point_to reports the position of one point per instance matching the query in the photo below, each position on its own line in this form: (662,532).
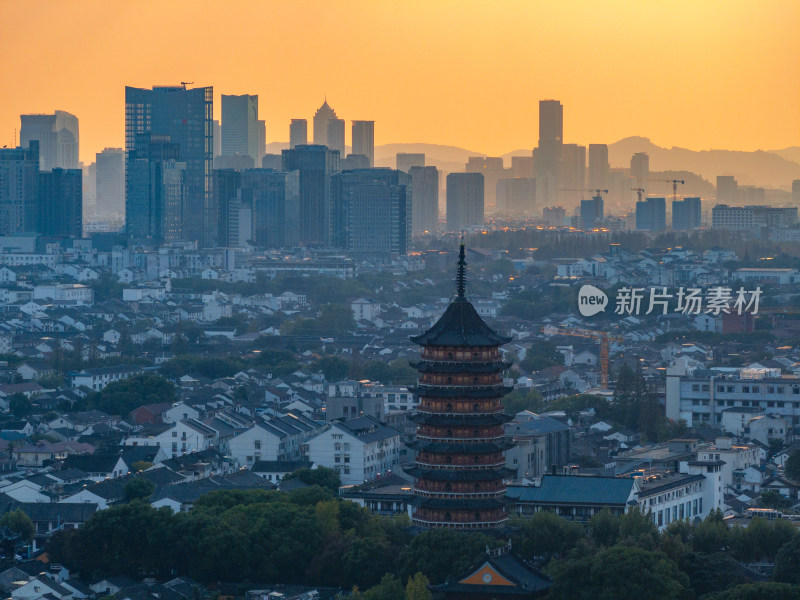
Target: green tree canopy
(20,523)
(121,397)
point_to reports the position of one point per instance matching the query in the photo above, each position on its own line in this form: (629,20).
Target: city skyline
(685,78)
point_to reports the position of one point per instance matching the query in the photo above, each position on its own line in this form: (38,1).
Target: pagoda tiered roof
(466,447)
(430,390)
(445,366)
(459,503)
(424,418)
(452,475)
(460,325)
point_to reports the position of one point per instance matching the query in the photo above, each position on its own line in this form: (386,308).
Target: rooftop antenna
(461,277)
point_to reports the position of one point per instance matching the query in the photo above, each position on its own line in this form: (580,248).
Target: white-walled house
(359,449)
(179,412)
(185,436)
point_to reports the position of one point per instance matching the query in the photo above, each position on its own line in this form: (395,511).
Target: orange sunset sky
(698,74)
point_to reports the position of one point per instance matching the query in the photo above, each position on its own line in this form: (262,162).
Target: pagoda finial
(461,277)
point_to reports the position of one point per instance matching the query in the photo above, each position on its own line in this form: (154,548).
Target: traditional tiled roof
(569,489)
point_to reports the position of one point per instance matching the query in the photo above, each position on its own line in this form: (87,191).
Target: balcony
(457,525)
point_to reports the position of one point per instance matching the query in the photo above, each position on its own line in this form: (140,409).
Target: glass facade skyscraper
(183,119)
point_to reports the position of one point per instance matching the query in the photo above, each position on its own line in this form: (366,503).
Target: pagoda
(459,472)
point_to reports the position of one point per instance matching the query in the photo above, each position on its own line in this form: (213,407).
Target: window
(258,444)
(720,388)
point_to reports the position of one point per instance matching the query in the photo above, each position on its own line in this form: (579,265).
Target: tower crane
(602,336)
(596,191)
(639,192)
(674,183)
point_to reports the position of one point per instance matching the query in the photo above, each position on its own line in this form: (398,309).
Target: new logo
(591,300)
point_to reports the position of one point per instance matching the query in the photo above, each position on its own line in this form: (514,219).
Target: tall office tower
(727,189)
(336,135)
(425,196)
(796,191)
(686,214)
(364,140)
(240,162)
(316,164)
(592,212)
(371,212)
(273,199)
(217,135)
(156,190)
(272,161)
(89,185)
(227,183)
(651,215)
(459,473)
(405,160)
(465,201)
(298,133)
(322,118)
(522,166)
(492,169)
(110,184)
(598,166)
(353,162)
(640,170)
(184,118)
(261,127)
(61,203)
(58,137)
(573,174)
(240,125)
(554,216)
(547,155)
(515,196)
(19,189)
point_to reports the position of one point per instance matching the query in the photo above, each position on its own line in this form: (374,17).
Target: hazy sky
(697,73)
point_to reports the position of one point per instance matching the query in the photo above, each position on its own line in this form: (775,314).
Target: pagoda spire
(461,276)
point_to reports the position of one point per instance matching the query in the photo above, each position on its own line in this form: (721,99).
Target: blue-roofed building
(574,497)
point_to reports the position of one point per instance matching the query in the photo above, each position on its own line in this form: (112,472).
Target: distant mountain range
(772,169)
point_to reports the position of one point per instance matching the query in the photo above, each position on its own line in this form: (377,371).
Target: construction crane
(596,191)
(639,192)
(185,83)
(602,336)
(674,183)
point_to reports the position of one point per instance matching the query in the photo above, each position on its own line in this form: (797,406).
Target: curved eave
(458,448)
(466,420)
(432,366)
(453,476)
(433,391)
(458,503)
(460,326)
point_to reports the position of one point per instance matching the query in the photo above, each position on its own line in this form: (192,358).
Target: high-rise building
(598,166)
(58,137)
(217,128)
(465,201)
(298,133)
(316,164)
(336,135)
(425,196)
(405,160)
(686,214)
(573,174)
(272,161)
(156,190)
(515,196)
(522,166)
(110,184)
(89,185)
(61,203)
(727,189)
(322,120)
(183,118)
(796,191)
(240,126)
(547,155)
(353,162)
(261,126)
(273,198)
(239,162)
(651,215)
(372,212)
(364,140)
(492,169)
(554,216)
(227,197)
(459,470)
(19,189)
(592,212)
(640,170)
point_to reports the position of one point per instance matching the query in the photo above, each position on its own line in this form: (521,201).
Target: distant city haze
(700,74)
